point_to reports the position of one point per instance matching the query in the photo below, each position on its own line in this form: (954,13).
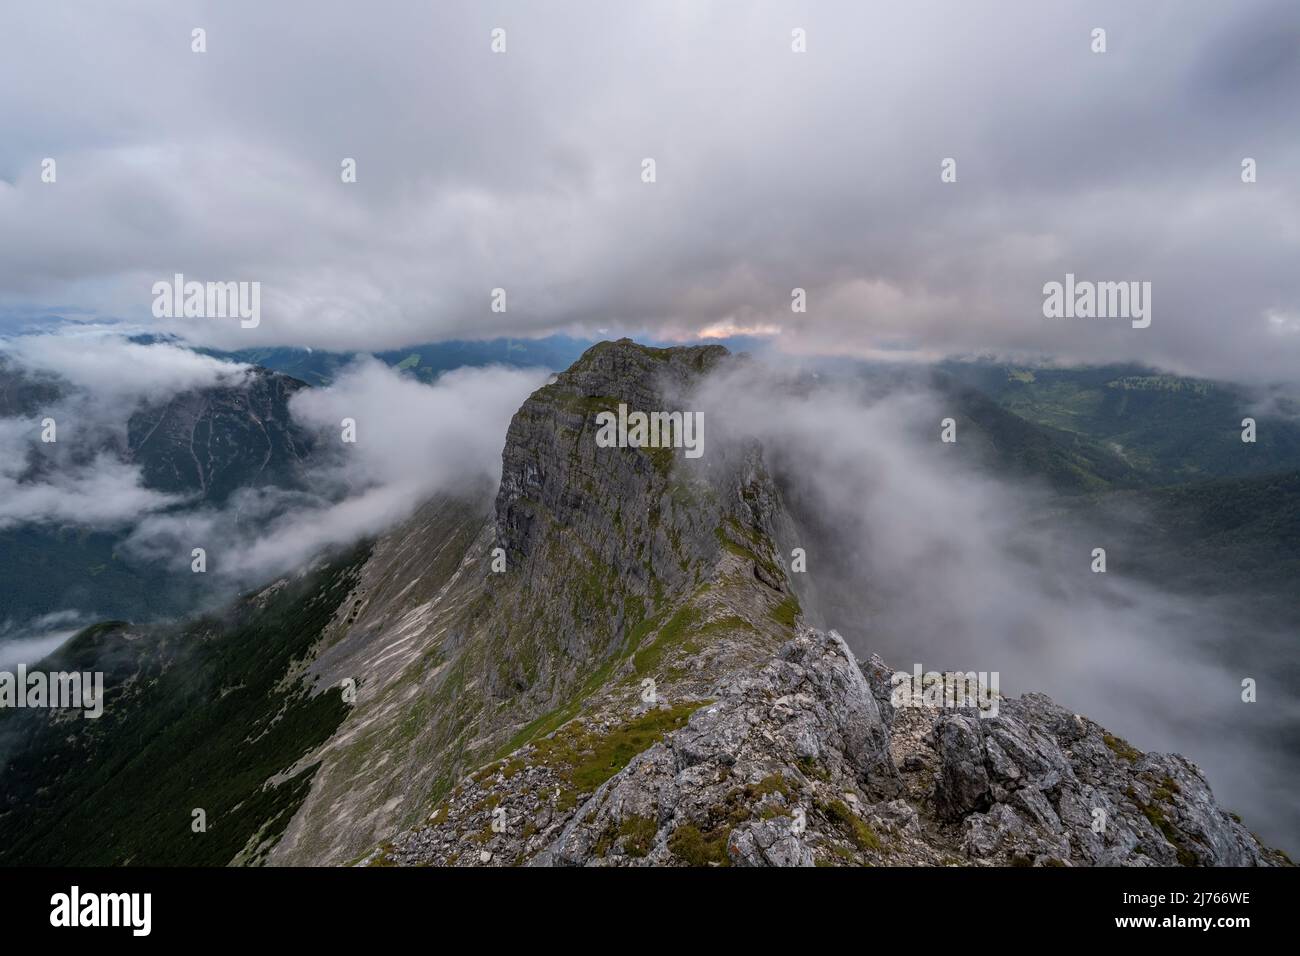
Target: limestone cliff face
(622,565)
(595,537)
(617,505)
(636,687)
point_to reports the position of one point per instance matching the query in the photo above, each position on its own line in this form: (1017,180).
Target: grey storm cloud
(775,170)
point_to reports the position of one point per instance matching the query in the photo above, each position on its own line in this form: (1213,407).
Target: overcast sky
(775,169)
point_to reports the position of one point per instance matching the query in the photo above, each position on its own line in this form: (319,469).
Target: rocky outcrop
(553,472)
(622,573)
(1039,785)
(801,736)
(800,763)
(595,537)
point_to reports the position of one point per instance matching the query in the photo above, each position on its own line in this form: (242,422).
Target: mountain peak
(625,359)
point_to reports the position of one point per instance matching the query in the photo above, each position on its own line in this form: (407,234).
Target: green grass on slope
(1168,428)
(1069,463)
(1237,533)
(193,719)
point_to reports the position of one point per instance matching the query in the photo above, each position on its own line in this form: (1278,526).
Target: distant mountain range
(425,362)
(1163,428)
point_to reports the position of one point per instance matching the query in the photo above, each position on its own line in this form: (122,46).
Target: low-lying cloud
(29,641)
(62,459)
(918,552)
(102,492)
(105,362)
(412,441)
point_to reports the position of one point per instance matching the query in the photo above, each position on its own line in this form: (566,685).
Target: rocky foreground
(805,762)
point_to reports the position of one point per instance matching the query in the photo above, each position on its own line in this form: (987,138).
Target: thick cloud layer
(917,552)
(775,170)
(119,372)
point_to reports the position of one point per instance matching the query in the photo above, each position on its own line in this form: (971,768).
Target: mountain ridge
(637,686)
